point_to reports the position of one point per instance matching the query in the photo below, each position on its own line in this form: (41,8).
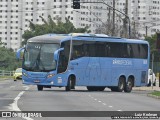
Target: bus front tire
(70,84)
(39,87)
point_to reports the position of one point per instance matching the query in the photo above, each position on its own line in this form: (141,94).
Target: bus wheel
(39,87)
(69,84)
(129,85)
(121,84)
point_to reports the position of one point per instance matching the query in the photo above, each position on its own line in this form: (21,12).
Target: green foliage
(156,93)
(152,41)
(50,26)
(8,60)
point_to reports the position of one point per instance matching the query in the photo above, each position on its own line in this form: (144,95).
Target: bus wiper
(36,62)
(43,68)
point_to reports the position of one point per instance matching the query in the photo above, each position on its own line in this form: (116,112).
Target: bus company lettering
(122,62)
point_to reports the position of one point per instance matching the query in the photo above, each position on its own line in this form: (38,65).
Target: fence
(6,73)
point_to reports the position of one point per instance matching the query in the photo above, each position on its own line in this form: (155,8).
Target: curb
(146,89)
(153,96)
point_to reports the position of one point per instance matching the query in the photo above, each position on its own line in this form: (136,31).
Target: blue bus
(92,60)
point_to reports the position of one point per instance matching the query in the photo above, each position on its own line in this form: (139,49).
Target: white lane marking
(104,103)
(90,96)
(12,86)
(119,110)
(14,105)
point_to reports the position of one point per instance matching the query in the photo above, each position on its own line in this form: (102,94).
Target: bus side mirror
(56,53)
(18,53)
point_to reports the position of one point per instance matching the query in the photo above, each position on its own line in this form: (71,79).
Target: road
(14,96)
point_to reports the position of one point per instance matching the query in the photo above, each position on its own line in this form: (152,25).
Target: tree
(49,26)
(8,60)
(152,41)
(107,28)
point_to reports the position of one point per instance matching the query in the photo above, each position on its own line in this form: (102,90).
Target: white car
(150,76)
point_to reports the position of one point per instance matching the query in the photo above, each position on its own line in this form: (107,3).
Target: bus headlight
(52,82)
(50,75)
(25,74)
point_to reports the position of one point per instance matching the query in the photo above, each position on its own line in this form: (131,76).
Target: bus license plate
(37,81)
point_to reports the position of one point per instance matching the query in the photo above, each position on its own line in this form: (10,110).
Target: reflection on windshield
(39,57)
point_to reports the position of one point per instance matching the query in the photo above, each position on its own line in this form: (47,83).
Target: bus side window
(129,51)
(77,50)
(85,50)
(135,50)
(143,51)
(107,50)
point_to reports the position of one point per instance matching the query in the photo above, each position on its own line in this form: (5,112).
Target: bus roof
(57,38)
(48,38)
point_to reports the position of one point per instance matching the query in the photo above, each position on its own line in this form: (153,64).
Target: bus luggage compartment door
(93,72)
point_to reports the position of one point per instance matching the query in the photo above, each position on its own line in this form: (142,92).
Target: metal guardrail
(6,73)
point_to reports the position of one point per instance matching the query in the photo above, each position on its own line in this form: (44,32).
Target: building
(15,16)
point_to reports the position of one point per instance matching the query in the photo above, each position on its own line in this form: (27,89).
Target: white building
(146,15)
(16,14)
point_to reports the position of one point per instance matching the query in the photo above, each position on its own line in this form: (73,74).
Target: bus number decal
(144,61)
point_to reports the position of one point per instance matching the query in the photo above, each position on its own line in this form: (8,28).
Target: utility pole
(109,22)
(146,31)
(125,20)
(127,17)
(113,22)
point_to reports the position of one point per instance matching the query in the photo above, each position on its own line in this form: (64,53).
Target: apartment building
(16,14)
(146,16)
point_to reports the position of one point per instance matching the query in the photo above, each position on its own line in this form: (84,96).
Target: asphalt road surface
(15,96)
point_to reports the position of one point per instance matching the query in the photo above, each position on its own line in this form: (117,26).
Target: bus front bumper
(43,81)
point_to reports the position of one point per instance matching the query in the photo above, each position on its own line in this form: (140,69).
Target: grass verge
(156,93)
(5,77)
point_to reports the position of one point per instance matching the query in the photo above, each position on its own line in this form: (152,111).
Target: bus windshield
(39,57)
